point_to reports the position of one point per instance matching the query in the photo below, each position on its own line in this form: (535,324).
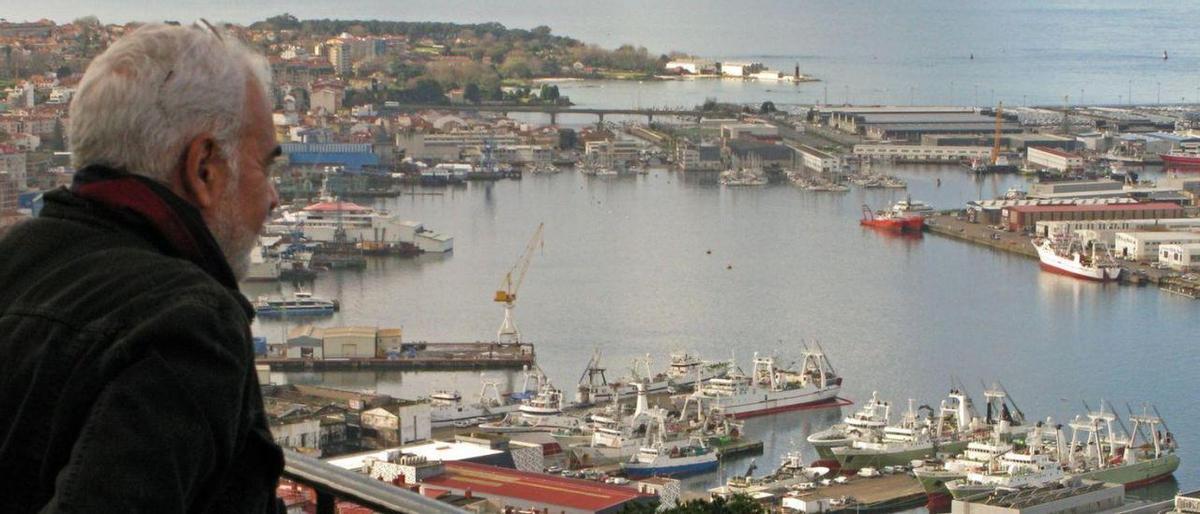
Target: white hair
(154,90)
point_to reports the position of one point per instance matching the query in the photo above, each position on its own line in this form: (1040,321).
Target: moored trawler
(954,428)
(1100,455)
(791,473)
(865,424)
(447,408)
(302,304)
(541,413)
(892,220)
(659,460)
(772,389)
(1073,258)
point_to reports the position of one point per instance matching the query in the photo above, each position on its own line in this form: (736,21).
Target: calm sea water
(863,51)
(625,269)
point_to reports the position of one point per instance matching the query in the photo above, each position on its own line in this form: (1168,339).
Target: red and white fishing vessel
(1072,257)
(1181,159)
(906,216)
(1188,155)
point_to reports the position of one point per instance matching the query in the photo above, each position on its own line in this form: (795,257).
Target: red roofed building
(1021,218)
(523,490)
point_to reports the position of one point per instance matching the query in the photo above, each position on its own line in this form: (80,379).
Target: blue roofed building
(353,157)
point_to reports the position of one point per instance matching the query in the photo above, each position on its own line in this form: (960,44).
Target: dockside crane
(507,294)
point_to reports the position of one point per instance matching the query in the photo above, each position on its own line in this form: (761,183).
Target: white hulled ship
(1071,257)
(772,389)
(864,425)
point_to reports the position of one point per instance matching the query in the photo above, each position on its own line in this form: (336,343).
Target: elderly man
(127,377)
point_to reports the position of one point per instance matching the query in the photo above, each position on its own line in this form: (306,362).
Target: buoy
(709,252)
(729,266)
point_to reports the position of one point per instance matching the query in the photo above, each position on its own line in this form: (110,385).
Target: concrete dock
(1135,273)
(430,356)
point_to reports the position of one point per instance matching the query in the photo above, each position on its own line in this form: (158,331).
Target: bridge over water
(552,110)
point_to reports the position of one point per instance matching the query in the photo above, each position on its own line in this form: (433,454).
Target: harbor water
(626,268)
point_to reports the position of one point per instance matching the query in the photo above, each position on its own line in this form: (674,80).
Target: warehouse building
(1180,257)
(1053,158)
(1023,218)
(816,160)
(923,153)
(1143,246)
(1106,230)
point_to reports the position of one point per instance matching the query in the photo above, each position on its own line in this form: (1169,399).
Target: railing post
(326,503)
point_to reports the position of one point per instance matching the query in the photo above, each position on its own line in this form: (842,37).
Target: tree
(471,93)
(62,71)
(768,107)
(738,504)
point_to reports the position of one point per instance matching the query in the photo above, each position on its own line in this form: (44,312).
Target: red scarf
(175,222)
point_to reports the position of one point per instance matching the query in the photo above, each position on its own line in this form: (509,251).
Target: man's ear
(204,172)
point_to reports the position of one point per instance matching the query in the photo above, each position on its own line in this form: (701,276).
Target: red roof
(336,206)
(487,481)
(1100,207)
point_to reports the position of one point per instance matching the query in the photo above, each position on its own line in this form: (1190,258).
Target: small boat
(302,304)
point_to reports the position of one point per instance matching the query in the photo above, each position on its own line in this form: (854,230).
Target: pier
(429,356)
(1134,273)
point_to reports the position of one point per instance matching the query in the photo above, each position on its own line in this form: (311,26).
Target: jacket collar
(173,225)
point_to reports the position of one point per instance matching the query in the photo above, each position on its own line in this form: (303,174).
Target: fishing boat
(955,426)
(791,474)
(540,413)
(910,207)
(615,437)
(1069,256)
(446,408)
(892,220)
(977,456)
(1135,460)
(865,424)
(676,461)
(771,388)
(302,304)
(1188,155)
(594,386)
(1013,470)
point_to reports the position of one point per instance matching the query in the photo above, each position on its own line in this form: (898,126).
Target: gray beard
(235,241)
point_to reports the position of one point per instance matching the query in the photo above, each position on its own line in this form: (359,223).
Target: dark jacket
(127,378)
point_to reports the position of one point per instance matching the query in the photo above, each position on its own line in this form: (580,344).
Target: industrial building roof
(982,126)
(348,332)
(1088,208)
(434,451)
(1161,235)
(910,118)
(567,492)
(1055,151)
(352,161)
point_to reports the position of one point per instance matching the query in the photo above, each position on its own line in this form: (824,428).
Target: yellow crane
(507,294)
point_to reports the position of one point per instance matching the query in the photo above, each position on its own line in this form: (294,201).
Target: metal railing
(332,483)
